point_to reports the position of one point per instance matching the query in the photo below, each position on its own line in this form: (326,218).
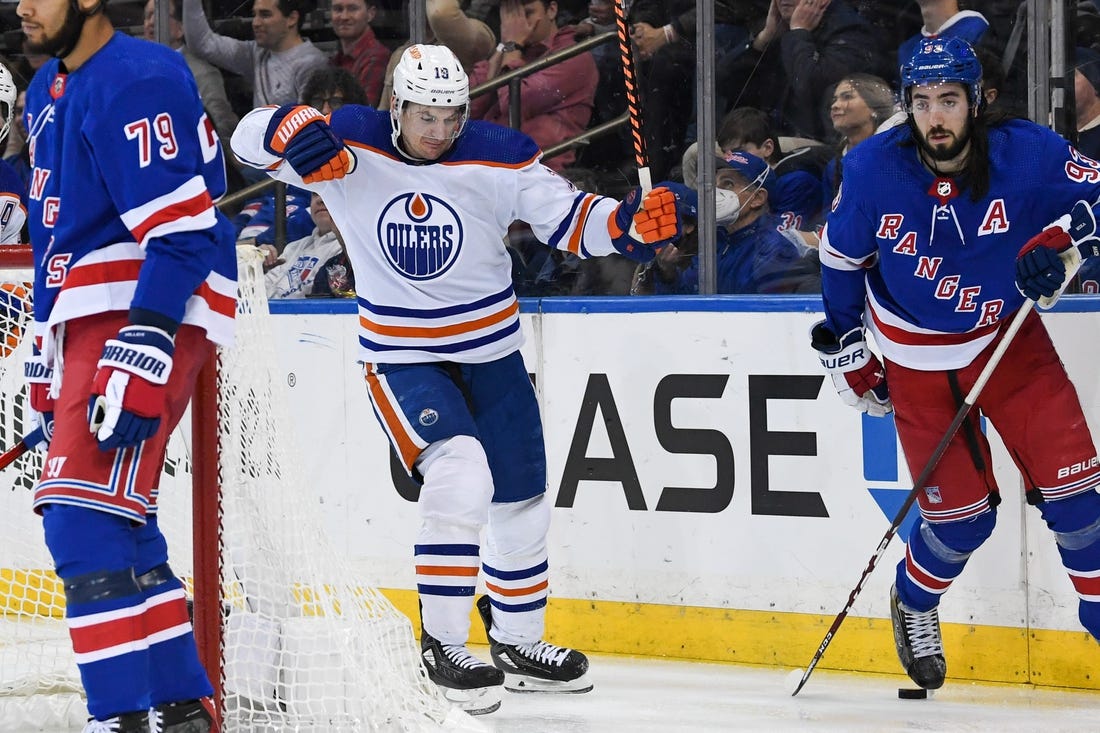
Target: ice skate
(465,680)
(127,723)
(537,666)
(919,644)
(191,716)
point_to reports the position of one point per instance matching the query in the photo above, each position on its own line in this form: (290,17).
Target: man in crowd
(277,62)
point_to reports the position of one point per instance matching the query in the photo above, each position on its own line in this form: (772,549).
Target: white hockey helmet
(432,76)
(8,95)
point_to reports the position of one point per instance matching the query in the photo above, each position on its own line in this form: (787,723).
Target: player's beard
(65,40)
(942,153)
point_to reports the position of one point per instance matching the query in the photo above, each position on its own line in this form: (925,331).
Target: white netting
(307,646)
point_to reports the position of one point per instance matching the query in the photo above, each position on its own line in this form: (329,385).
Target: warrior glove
(857,373)
(1048,260)
(38,377)
(301,135)
(128,391)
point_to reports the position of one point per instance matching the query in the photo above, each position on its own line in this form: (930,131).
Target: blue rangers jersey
(426,241)
(930,271)
(968,25)
(125,168)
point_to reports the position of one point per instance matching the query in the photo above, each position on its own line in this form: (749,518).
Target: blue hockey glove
(1040,271)
(641,223)
(857,373)
(128,392)
(38,377)
(1048,260)
(300,135)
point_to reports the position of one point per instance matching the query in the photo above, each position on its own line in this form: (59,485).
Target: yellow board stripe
(977,653)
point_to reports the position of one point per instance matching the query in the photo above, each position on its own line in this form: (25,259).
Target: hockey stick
(32,439)
(919,483)
(632,103)
(1080,225)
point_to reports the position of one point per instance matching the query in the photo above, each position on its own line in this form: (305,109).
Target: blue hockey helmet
(943,60)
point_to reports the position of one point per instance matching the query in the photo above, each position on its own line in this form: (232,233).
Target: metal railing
(513,79)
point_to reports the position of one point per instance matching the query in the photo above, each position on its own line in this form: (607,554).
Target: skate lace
(460,656)
(542,652)
(101,726)
(923,628)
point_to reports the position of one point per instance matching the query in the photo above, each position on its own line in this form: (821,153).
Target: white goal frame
(291,639)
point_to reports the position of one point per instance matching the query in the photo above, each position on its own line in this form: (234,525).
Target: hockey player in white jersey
(424,197)
(13,210)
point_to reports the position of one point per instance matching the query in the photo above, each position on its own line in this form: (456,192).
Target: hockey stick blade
(29,441)
(921,480)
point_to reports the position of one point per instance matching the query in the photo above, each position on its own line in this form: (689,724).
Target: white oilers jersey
(13,212)
(426,241)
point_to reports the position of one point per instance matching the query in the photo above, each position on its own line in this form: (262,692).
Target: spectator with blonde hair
(861,103)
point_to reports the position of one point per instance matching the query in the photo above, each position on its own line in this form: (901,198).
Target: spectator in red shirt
(360,52)
(555,103)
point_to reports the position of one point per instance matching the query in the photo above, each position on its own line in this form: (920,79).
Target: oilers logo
(420,235)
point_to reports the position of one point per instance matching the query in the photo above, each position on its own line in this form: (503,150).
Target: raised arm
(228,53)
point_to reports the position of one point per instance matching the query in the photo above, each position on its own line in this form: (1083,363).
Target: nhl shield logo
(932,493)
(58,86)
(428,416)
(944,188)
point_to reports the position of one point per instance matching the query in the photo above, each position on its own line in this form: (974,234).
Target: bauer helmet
(943,60)
(8,95)
(432,76)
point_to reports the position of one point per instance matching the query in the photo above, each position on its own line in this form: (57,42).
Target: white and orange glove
(301,135)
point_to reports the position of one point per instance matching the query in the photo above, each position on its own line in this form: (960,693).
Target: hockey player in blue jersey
(939,230)
(425,198)
(135,280)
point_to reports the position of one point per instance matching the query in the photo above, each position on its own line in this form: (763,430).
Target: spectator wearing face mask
(754,257)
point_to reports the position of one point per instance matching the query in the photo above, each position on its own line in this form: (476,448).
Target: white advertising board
(696,459)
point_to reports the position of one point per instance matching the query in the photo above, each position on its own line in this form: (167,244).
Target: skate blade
(476,701)
(524,683)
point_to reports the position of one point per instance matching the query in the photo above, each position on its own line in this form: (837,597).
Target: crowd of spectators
(799,83)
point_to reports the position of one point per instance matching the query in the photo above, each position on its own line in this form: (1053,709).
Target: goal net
(292,639)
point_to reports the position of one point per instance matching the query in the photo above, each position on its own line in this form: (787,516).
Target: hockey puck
(905,693)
